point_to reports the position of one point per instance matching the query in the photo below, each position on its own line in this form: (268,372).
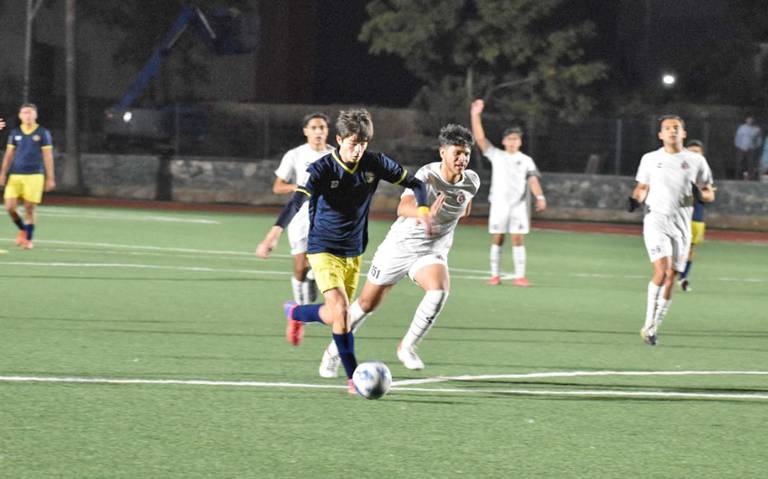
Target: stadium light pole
(70,174)
(32,7)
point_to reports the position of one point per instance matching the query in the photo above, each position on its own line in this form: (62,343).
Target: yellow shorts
(26,187)
(332,271)
(697,232)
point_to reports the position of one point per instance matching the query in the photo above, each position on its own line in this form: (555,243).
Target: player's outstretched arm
(270,242)
(476,112)
(2,123)
(638,197)
(538,193)
(707,193)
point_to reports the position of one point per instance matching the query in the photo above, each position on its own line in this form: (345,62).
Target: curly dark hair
(453,134)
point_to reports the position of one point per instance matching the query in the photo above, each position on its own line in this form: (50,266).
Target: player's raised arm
(476,112)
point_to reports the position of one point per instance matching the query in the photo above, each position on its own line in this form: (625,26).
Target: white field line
(401,385)
(117,217)
(573,374)
(474,274)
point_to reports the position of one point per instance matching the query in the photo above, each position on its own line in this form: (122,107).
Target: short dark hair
(355,122)
(512,129)
(664,118)
(315,114)
(28,105)
(453,134)
(698,143)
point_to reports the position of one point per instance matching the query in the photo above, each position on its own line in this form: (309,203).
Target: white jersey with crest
(293,169)
(509,178)
(408,235)
(670,179)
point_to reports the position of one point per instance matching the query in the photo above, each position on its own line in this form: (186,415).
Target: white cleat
(329,365)
(409,358)
(649,336)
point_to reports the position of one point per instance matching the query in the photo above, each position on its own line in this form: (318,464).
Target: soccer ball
(372,379)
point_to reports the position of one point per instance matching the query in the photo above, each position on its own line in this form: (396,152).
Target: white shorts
(667,236)
(509,218)
(390,265)
(298,235)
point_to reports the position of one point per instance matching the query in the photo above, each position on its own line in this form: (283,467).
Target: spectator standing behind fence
(29,160)
(747,141)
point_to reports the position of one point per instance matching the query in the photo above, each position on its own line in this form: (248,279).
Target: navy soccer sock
(308,313)
(346,345)
(30,230)
(686,271)
(17,220)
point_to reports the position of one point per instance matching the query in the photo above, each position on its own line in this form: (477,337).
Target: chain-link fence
(252,132)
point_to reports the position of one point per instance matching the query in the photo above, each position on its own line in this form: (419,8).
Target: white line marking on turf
(198,269)
(571,374)
(401,385)
(115,217)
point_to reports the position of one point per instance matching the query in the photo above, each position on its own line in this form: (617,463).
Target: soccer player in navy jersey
(339,188)
(27,171)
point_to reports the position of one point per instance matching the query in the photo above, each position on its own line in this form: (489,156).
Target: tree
(469,48)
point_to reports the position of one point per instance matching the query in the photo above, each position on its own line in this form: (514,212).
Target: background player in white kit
(409,250)
(514,173)
(292,171)
(665,182)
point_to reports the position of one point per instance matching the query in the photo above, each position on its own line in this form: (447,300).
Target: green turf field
(550,381)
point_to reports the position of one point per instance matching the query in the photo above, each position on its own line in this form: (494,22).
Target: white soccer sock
(298,291)
(495,260)
(518,255)
(309,290)
(662,306)
(650,311)
(356,318)
(425,316)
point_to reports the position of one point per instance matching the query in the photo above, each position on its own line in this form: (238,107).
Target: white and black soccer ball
(372,379)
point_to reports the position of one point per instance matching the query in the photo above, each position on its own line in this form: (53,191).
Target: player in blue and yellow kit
(339,189)
(27,171)
(698,226)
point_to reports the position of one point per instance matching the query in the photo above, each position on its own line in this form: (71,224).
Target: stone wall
(579,197)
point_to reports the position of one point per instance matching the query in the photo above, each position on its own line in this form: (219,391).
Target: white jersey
(293,169)
(670,179)
(407,234)
(509,179)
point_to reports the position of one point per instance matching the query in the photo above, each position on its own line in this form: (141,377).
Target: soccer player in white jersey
(665,181)
(291,172)
(409,251)
(514,176)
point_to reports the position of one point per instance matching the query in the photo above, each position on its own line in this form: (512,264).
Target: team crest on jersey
(460,198)
(370,176)
(36,138)
(658,165)
(334,183)
(685,165)
(17,138)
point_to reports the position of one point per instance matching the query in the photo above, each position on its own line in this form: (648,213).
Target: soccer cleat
(522,282)
(28,245)
(685,285)
(294,330)
(649,336)
(351,389)
(409,358)
(329,365)
(494,281)
(21,238)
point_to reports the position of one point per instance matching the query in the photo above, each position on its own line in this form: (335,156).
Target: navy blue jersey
(28,145)
(698,205)
(340,198)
